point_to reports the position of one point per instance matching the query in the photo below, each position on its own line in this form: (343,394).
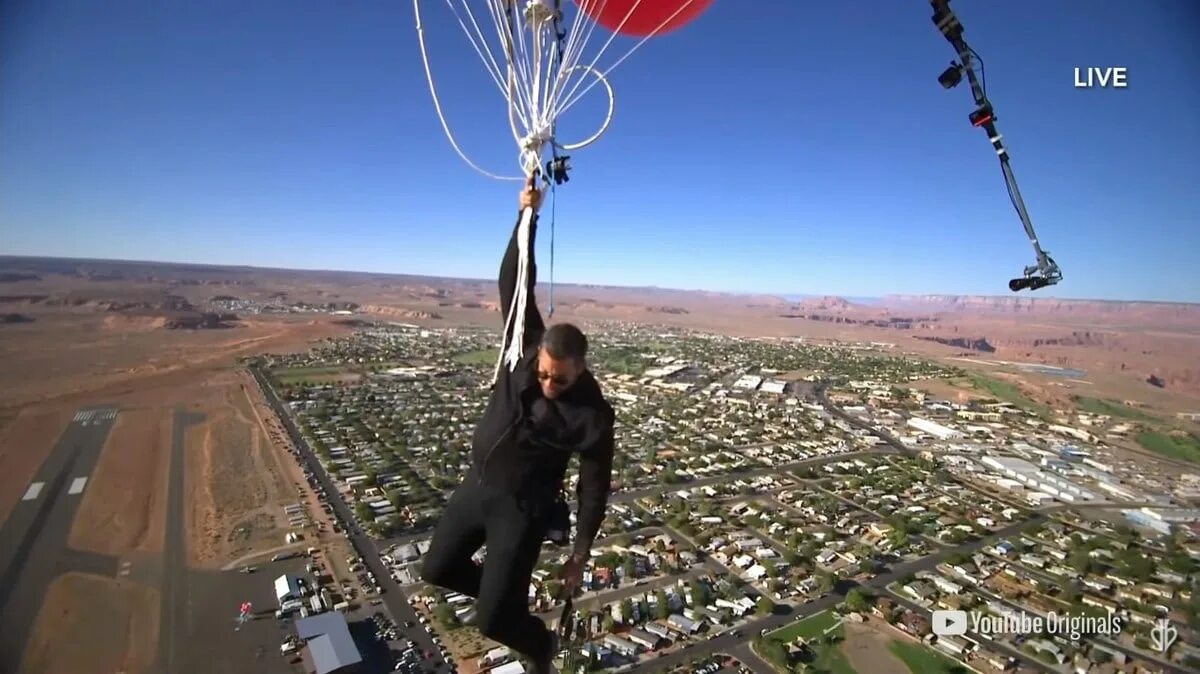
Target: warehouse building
(935,429)
(330,648)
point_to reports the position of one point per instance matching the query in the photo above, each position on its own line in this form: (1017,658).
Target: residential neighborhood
(776,502)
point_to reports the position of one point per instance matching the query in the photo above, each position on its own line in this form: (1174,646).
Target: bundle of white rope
(513,346)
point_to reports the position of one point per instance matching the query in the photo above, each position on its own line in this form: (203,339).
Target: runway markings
(125,568)
(77,485)
(85,417)
(33,491)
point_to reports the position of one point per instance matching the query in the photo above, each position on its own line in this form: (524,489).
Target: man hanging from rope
(540,413)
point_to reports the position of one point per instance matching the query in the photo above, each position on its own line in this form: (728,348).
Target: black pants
(513,530)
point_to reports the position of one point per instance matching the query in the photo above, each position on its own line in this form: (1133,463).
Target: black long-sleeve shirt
(525,440)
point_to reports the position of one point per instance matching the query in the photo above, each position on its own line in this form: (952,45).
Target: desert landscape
(161,345)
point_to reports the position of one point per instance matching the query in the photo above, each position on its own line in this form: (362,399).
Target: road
(393,597)
(175,603)
(838,412)
(33,541)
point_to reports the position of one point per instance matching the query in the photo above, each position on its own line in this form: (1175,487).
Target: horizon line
(777,295)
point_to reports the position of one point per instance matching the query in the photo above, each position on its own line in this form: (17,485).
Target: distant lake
(1069,373)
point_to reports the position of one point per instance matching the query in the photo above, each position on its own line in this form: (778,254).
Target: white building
(1034,477)
(935,429)
(773,386)
(750,382)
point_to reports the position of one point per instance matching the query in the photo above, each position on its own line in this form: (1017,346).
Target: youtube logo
(949,623)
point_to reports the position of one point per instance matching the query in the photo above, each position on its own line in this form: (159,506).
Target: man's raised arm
(534,325)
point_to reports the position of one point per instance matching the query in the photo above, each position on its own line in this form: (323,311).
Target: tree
(1081,561)
(608,624)
(363,511)
(1137,565)
(765,606)
(661,608)
(445,615)
(701,596)
(856,600)
(626,611)
(958,558)
(773,651)
(826,581)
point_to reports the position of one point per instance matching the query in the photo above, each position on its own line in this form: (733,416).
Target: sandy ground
(334,547)
(124,508)
(69,353)
(945,390)
(94,625)
(236,481)
(866,647)
(25,442)
(64,361)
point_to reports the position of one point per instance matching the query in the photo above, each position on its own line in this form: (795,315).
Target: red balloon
(643,17)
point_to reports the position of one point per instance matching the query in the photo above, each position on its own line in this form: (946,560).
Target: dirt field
(94,625)
(947,390)
(236,482)
(866,647)
(125,508)
(25,442)
(71,354)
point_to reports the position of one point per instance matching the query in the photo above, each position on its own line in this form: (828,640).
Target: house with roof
(329,648)
(287,587)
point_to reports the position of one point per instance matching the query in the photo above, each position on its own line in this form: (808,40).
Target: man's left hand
(572,574)
(531,197)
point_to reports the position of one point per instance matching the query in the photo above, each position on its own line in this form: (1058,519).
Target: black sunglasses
(560,380)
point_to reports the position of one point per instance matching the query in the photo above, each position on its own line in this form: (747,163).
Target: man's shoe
(547,666)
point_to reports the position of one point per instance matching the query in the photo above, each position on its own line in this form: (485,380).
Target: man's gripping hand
(531,197)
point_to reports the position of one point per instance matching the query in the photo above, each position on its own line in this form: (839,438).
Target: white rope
(533,91)
(437,106)
(604,48)
(481,47)
(564,107)
(512,347)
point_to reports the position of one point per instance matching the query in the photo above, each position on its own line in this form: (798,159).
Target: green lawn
(1184,448)
(481,357)
(293,375)
(922,660)
(1112,408)
(811,627)
(1006,391)
(829,658)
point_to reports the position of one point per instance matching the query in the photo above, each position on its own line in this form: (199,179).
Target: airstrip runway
(33,541)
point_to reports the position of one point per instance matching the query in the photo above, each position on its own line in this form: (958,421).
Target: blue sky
(788,147)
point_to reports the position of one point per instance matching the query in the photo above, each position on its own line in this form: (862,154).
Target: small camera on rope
(559,530)
(557,168)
